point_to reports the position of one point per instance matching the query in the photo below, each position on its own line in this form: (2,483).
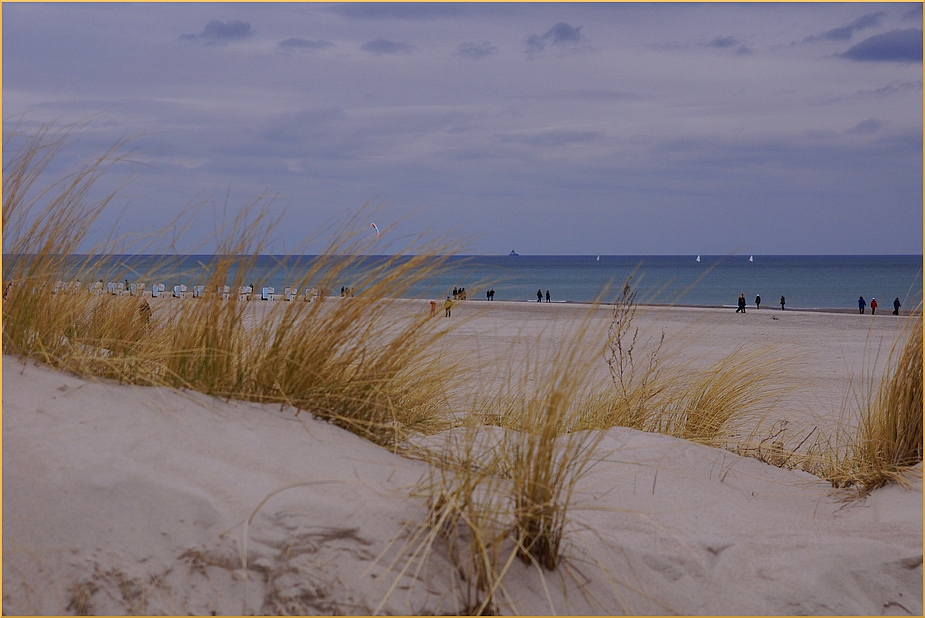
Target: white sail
(751,258)
(598,258)
(698,258)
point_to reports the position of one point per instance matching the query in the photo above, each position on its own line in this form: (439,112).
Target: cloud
(593,95)
(304,44)
(555,137)
(913,14)
(561,36)
(382,46)
(221,32)
(844,33)
(722,42)
(411,11)
(866,127)
(476,50)
(727,42)
(893,46)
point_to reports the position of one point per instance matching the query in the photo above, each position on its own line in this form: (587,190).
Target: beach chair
(96,287)
(155,290)
(59,286)
(287,293)
(120,289)
(198,290)
(176,291)
(266,293)
(226,291)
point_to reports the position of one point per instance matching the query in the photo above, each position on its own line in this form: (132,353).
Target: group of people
(862,304)
(740,308)
(539,296)
(490,294)
(345,292)
(459,293)
(447,306)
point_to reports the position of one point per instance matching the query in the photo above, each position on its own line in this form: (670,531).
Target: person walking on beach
(896,306)
(782,301)
(539,296)
(741,307)
(758,301)
(547,296)
(447,305)
(433,308)
(873,306)
(861,304)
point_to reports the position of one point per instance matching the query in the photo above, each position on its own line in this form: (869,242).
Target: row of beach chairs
(180,291)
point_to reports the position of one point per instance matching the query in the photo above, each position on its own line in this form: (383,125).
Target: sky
(552,128)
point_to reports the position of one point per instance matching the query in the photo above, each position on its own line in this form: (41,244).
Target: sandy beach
(140,500)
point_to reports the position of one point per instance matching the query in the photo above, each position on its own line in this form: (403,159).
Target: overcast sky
(545,128)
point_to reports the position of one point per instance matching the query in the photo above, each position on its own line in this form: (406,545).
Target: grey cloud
(476,50)
(893,88)
(913,14)
(893,46)
(866,127)
(221,32)
(556,137)
(304,44)
(727,42)
(561,35)
(411,11)
(722,42)
(382,46)
(595,95)
(844,33)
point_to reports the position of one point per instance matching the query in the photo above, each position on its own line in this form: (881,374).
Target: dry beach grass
(509,437)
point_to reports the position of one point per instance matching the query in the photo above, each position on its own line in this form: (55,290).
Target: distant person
(462,293)
(547,296)
(492,294)
(741,307)
(873,306)
(861,304)
(433,308)
(342,291)
(455,292)
(896,306)
(487,294)
(782,301)
(144,310)
(758,302)
(447,305)
(539,296)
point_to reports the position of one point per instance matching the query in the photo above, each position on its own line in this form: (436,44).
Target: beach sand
(124,500)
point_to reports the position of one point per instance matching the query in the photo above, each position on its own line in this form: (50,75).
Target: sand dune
(121,499)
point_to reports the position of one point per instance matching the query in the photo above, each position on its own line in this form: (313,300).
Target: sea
(821,282)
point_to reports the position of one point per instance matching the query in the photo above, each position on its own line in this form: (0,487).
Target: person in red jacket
(873,306)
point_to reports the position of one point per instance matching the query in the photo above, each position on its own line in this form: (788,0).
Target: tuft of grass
(887,443)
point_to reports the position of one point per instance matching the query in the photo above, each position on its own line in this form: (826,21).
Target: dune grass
(886,443)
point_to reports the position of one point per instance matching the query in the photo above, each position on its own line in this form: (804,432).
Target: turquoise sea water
(807,282)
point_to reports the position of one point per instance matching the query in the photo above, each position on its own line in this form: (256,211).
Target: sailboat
(698,258)
(598,258)
(751,258)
